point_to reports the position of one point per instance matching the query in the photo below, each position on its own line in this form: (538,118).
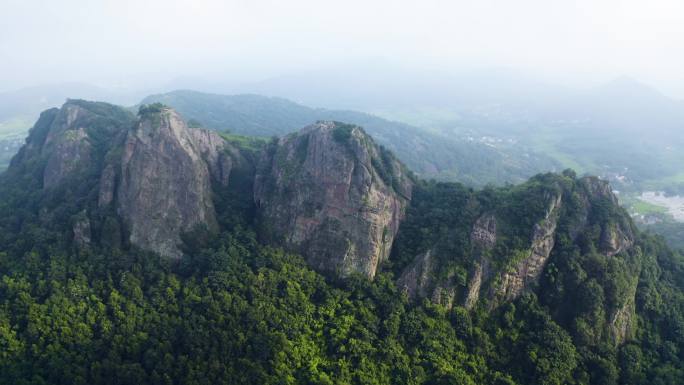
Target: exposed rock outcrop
(615,237)
(623,321)
(107,185)
(527,270)
(155,176)
(72,150)
(330,193)
(218,155)
(81,229)
(64,139)
(417,280)
(585,206)
(165,181)
(420,279)
(482,240)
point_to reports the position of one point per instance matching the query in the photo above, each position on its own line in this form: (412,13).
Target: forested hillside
(545,282)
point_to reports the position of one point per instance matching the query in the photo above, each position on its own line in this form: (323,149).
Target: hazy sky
(129,42)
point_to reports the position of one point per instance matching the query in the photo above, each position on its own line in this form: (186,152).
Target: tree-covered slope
(568,291)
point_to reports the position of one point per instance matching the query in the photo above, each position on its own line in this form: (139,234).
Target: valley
(672,205)
(658,212)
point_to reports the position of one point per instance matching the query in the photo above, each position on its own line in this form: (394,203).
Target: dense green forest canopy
(238,312)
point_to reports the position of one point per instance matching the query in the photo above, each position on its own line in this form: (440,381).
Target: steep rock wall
(164,187)
(330,193)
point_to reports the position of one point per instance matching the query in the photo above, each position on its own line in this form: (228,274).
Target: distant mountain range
(29,102)
(623,130)
(430,154)
(477,127)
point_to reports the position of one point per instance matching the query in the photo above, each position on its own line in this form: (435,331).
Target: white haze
(145,44)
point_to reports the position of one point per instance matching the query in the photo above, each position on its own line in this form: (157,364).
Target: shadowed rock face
(596,195)
(423,278)
(72,150)
(622,321)
(65,145)
(330,193)
(587,206)
(483,240)
(81,230)
(68,140)
(528,270)
(418,278)
(166,171)
(36,139)
(156,173)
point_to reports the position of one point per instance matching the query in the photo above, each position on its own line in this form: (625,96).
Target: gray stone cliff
(330,193)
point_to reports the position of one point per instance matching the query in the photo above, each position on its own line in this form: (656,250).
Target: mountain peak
(161,153)
(332,194)
(627,87)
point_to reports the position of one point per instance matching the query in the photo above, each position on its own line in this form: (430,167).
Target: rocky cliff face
(526,271)
(327,191)
(483,240)
(155,174)
(417,280)
(164,186)
(622,321)
(596,197)
(330,193)
(582,207)
(421,278)
(68,141)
